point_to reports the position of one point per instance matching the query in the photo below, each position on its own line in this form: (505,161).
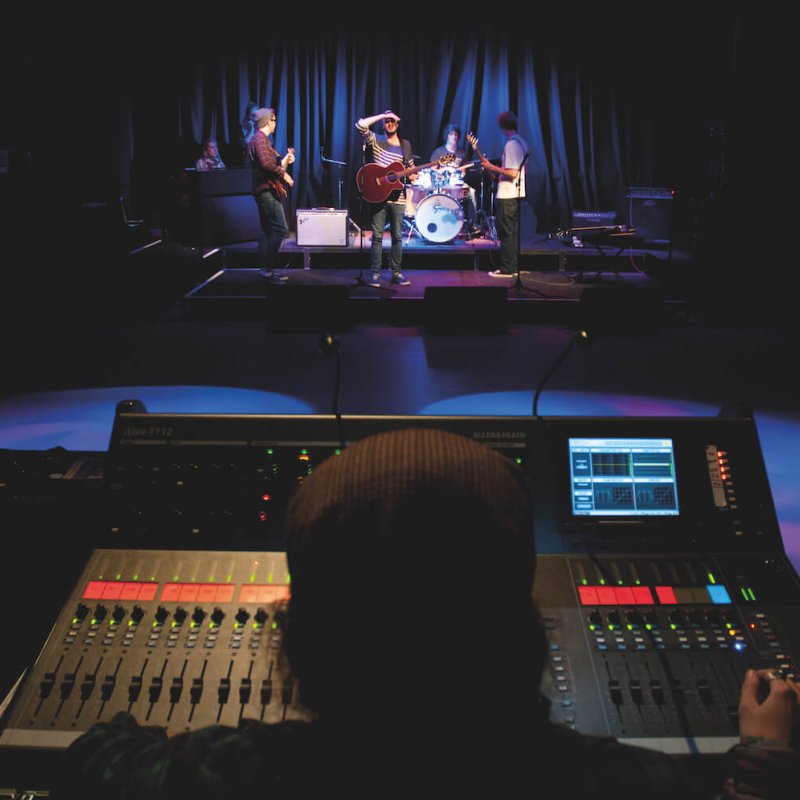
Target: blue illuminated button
(718,594)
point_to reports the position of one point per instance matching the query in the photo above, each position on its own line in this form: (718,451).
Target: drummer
(452,136)
(451,146)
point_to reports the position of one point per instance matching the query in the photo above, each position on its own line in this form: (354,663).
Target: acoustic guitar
(376,183)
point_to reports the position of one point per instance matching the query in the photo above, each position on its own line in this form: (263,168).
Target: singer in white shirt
(510,191)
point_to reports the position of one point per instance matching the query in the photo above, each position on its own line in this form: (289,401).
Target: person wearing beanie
(419,652)
(270,179)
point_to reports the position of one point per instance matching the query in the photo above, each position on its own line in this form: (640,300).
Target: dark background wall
(607,99)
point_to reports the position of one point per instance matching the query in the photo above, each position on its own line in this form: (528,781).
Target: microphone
(329,345)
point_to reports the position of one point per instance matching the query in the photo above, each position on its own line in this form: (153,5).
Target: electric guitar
(473,140)
(278,185)
(375,183)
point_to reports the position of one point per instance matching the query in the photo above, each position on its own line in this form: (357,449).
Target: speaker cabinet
(311,309)
(650,212)
(465,309)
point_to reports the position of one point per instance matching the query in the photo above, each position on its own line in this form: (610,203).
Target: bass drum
(439,218)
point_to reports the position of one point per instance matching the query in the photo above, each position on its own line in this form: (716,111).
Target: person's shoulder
(627,771)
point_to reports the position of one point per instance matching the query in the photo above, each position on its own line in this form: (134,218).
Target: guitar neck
(474,144)
(412,170)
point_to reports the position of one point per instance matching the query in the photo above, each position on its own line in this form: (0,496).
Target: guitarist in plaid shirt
(269,176)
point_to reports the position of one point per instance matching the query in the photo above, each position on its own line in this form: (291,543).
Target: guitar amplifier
(650,212)
(322,227)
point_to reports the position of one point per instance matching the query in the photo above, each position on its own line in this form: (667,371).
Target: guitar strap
(408,153)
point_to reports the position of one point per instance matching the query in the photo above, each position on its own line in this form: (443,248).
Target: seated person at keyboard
(209,159)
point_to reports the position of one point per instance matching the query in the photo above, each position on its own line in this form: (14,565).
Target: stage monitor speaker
(650,212)
(311,309)
(620,309)
(465,309)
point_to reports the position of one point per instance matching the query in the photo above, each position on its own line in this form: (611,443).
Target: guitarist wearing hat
(385,150)
(269,177)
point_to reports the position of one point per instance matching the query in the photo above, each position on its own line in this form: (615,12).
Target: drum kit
(436,205)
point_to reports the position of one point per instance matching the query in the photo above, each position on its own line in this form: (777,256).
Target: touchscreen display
(623,477)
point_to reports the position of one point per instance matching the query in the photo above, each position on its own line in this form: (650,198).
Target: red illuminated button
(273,594)
(207,593)
(624,596)
(94,590)
(112,591)
(666,595)
(225,593)
(606,596)
(642,596)
(130,591)
(588,595)
(248,594)
(189,592)
(170,593)
(147,591)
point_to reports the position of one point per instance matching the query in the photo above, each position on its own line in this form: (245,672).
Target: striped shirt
(379,151)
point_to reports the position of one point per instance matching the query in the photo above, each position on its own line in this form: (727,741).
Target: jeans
(273,229)
(378,212)
(508,231)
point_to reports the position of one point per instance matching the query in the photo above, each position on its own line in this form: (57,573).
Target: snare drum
(425,179)
(439,218)
(454,185)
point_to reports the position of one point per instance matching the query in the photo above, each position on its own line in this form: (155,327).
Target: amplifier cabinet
(321,227)
(650,212)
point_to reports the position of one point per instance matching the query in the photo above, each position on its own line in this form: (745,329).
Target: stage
(553,278)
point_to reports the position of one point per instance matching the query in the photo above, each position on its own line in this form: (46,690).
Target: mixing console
(661,575)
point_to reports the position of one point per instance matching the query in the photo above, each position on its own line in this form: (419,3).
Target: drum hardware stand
(412,228)
(484,221)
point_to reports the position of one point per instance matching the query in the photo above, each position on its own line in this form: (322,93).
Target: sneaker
(374,279)
(498,273)
(272,276)
(400,279)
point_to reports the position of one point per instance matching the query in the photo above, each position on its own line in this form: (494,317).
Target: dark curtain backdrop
(605,99)
(602,106)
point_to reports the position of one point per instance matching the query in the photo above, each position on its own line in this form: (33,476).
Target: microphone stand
(330,346)
(341,164)
(580,337)
(518,284)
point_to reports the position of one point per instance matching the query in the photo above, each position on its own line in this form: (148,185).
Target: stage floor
(539,252)
(535,296)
